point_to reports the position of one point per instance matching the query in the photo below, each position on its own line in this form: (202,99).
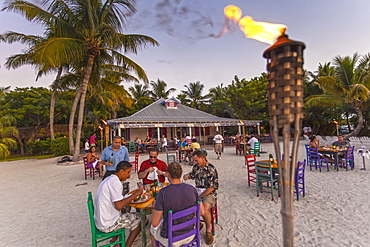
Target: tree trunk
(52,106)
(359,125)
(71,121)
(20,143)
(85,82)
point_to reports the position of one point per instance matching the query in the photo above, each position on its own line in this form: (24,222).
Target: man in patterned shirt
(206,179)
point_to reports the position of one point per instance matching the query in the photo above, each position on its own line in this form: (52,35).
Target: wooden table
(266,163)
(335,153)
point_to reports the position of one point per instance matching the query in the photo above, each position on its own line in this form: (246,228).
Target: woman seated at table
(93,159)
(314,142)
(148,139)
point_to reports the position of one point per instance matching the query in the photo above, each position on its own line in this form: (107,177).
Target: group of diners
(109,212)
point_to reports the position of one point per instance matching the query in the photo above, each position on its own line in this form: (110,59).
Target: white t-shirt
(109,191)
(164,141)
(87,146)
(252,141)
(218,139)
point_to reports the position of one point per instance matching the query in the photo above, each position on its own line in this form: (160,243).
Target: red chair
(135,163)
(214,217)
(251,169)
(238,149)
(89,169)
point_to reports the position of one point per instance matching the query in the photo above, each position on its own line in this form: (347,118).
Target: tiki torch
(285,99)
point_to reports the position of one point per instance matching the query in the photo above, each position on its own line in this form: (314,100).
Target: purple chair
(349,158)
(299,185)
(314,158)
(195,221)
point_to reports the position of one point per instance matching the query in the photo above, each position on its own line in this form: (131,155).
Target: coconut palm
(159,89)
(348,85)
(84,30)
(7,130)
(194,94)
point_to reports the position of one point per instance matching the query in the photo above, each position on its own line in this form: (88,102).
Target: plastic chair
(251,169)
(349,158)
(98,236)
(256,150)
(265,179)
(195,221)
(135,163)
(299,184)
(170,157)
(314,158)
(89,169)
(131,146)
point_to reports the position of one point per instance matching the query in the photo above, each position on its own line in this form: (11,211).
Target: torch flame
(261,31)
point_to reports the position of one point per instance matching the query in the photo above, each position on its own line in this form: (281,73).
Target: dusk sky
(188,51)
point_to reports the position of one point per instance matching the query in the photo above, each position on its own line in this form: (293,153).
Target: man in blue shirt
(112,155)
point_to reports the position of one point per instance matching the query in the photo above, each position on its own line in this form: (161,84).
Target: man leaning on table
(152,168)
(206,180)
(341,143)
(176,197)
(109,201)
(112,155)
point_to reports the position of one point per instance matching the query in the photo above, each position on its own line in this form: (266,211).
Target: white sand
(44,204)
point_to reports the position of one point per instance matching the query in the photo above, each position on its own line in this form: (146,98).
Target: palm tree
(84,31)
(159,90)
(6,132)
(141,94)
(348,85)
(194,94)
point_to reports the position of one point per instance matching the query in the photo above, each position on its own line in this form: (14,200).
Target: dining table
(334,153)
(183,153)
(145,208)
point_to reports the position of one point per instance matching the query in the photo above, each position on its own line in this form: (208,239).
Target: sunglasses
(153,157)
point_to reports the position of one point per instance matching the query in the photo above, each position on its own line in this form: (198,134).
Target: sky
(189,51)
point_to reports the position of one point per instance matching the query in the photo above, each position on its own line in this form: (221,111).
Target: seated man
(109,201)
(252,141)
(206,179)
(341,143)
(193,146)
(150,165)
(176,197)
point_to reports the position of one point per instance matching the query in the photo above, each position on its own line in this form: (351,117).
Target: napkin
(153,175)
(200,190)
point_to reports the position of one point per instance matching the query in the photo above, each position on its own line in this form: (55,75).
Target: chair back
(90,206)
(249,161)
(299,175)
(349,152)
(195,221)
(307,147)
(257,146)
(170,157)
(313,153)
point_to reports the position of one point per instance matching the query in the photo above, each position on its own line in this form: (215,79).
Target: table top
(331,150)
(266,163)
(149,204)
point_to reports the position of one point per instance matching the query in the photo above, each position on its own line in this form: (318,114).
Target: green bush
(39,147)
(60,146)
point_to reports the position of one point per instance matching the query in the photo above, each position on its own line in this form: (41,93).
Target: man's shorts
(128,221)
(210,199)
(218,147)
(156,232)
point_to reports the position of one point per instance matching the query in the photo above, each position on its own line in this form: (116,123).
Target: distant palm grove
(84,46)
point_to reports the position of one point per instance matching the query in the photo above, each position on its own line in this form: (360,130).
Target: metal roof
(158,115)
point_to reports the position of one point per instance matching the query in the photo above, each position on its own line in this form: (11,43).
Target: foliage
(60,146)
(7,131)
(39,147)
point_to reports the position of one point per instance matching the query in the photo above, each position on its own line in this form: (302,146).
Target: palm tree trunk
(52,106)
(20,143)
(359,125)
(71,120)
(85,82)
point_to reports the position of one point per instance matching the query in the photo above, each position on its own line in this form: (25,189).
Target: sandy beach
(44,204)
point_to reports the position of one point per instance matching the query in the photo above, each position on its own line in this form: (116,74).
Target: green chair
(265,179)
(256,150)
(131,146)
(98,236)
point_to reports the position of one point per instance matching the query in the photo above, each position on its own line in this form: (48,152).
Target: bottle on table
(155,190)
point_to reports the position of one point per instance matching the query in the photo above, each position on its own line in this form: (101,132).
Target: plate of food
(142,198)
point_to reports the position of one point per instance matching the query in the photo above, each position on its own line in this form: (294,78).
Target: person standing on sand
(218,143)
(206,181)
(109,201)
(93,140)
(112,155)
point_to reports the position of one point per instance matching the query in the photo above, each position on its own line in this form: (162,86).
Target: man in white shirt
(109,201)
(252,141)
(164,143)
(218,143)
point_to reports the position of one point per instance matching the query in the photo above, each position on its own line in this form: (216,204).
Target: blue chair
(195,221)
(316,160)
(349,158)
(170,157)
(299,183)
(98,236)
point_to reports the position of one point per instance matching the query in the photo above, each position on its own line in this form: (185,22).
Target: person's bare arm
(124,202)
(207,192)
(145,172)
(156,217)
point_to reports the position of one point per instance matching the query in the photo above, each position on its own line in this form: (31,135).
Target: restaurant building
(171,118)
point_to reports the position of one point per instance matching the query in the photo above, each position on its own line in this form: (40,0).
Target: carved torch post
(285,98)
